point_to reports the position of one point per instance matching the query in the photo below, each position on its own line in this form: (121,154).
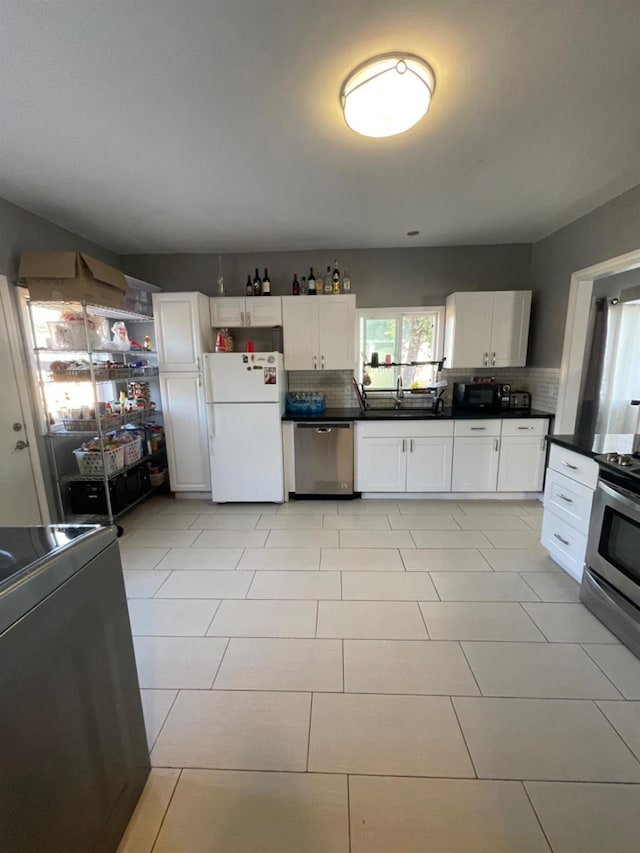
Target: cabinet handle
(565,498)
(248,318)
(322,362)
(543,444)
(476,428)
(496,444)
(404,445)
(412,445)
(242,318)
(560,539)
(198,362)
(569,465)
(315,362)
(529,427)
(493,360)
(485,359)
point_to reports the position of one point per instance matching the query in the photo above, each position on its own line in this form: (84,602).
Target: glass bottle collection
(333,282)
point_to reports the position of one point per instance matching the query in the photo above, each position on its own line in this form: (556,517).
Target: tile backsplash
(541,382)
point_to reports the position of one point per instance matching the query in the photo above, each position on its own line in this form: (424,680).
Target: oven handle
(625,497)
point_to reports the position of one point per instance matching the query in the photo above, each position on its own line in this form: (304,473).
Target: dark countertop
(354,414)
(595,445)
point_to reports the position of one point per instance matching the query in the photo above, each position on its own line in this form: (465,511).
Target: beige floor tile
(387,735)
(247,509)
(361,560)
(551,739)
(427,507)
(202,584)
(514,538)
(235,730)
(159,538)
(625,718)
(376,539)
(256,664)
(140,835)
(156,705)
(170,617)
(444,560)
(387,586)
(164,521)
(479,620)
(357,522)
(143,584)
(264,619)
(245,812)
(376,620)
(178,662)
(520,560)
(310,507)
(480,521)
(406,666)
(193,506)
(225,521)
(302,539)
(295,585)
(291,521)
(207,559)
(230,539)
(437,521)
(537,670)
(450,539)
(553,586)
(488,507)
(281,559)
(532,507)
(620,666)
(452,815)
(568,623)
(588,818)
(368,506)
(482,586)
(141,559)
(533,521)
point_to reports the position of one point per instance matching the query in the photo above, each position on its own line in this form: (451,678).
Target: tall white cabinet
(184,332)
(319,332)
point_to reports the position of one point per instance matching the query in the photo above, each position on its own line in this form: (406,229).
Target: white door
(429,464)
(227,311)
(266,311)
(468,329)
(475,464)
(381,464)
(179,330)
(521,464)
(185,423)
(336,333)
(246,452)
(300,332)
(510,328)
(22,498)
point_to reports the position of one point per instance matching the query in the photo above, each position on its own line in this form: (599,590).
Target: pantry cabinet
(185,421)
(183,330)
(319,332)
(232,312)
(487,329)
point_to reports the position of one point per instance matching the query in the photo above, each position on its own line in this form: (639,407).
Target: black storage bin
(90,497)
(145,482)
(131,481)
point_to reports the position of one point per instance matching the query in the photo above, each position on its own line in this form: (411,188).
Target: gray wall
(610,230)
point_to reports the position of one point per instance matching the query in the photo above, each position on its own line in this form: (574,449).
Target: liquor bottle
(346,282)
(249,286)
(257,284)
(266,284)
(335,278)
(147,343)
(311,283)
(220,283)
(328,281)
(295,286)
(303,286)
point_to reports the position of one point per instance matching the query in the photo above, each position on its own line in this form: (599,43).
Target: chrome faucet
(399,393)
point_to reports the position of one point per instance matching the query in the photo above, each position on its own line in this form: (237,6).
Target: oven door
(613,550)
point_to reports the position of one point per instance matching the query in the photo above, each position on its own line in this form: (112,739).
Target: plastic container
(132,451)
(90,461)
(158,479)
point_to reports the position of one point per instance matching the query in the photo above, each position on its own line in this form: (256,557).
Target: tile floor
(374,677)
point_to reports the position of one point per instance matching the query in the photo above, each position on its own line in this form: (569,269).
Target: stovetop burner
(624,465)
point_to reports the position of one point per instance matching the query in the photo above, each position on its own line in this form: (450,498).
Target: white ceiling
(214,125)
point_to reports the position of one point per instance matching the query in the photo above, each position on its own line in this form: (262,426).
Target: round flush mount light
(388,94)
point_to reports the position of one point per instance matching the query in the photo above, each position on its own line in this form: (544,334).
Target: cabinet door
(510,328)
(429,464)
(264,312)
(185,424)
(336,332)
(178,329)
(468,329)
(521,464)
(475,464)
(381,464)
(227,311)
(300,332)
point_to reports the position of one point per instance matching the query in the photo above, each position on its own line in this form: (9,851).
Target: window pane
(417,345)
(381,337)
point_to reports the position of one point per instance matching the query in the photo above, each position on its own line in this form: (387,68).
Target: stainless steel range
(611,581)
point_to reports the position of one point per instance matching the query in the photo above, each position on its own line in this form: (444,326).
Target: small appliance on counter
(520,401)
(483,396)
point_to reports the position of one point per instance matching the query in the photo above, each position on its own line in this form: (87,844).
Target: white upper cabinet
(319,332)
(487,329)
(250,311)
(183,330)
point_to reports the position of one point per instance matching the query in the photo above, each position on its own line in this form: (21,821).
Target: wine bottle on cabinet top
(257,284)
(266,284)
(311,283)
(346,282)
(295,285)
(335,278)
(328,281)
(249,286)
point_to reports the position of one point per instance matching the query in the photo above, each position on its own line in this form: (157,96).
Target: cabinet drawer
(478,427)
(574,465)
(525,426)
(405,429)
(568,500)
(565,545)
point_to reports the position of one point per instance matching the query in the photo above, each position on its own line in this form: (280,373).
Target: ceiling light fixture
(388,94)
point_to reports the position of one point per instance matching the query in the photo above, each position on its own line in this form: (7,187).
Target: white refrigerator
(245,394)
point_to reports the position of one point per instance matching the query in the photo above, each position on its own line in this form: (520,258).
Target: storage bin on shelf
(90,462)
(132,451)
(107,422)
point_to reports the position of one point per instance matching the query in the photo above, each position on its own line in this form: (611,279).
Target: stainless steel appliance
(324,458)
(520,400)
(484,396)
(611,581)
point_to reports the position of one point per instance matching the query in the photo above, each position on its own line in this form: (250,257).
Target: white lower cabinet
(429,464)
(521,467)
(187,436)
(475,464)
(381,464)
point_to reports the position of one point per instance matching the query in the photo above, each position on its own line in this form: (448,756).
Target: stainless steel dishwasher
(324,458)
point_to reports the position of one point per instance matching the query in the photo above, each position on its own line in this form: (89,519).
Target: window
(403,336)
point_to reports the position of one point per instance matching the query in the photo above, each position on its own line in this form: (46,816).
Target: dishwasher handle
(327,428)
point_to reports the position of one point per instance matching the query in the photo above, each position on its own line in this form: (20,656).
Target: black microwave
(484,396)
